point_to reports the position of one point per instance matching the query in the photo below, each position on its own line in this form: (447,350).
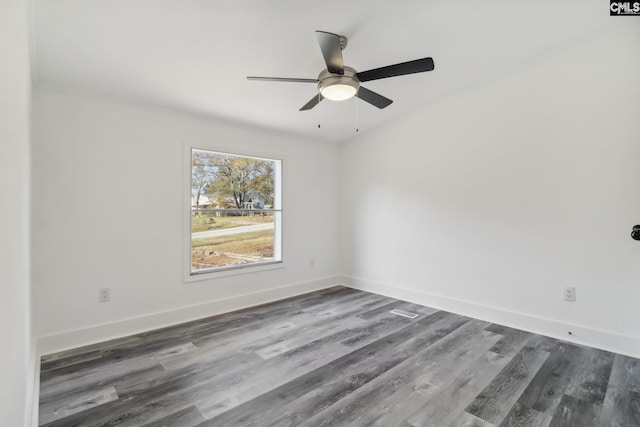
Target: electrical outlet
(570,293)
(312,262)
(104,294)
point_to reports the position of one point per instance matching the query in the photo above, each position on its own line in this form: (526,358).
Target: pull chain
(357,115)
(319,99)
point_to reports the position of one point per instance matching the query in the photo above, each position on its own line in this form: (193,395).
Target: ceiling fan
(338,82)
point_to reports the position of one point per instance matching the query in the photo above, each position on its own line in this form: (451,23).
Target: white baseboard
(135,325)
(33,395)
(604,340)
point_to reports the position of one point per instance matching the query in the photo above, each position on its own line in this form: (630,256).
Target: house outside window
(235,212)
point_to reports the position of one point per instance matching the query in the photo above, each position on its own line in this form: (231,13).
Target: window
(235,211)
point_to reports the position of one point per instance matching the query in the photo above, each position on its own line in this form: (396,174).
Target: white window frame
(227,271)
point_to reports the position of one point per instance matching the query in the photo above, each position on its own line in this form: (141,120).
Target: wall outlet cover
(570,293)
(104,294)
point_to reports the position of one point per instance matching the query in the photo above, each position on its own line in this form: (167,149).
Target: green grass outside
(240,237)
(206,223)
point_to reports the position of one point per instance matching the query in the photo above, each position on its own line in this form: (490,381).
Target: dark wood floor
(334,358)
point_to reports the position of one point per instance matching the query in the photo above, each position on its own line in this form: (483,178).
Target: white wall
(491,201)
(108,211)
(16,359)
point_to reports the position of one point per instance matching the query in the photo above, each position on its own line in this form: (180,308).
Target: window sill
(234,271)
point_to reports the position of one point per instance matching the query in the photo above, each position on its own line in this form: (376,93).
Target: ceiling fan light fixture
(338,87)
(338,92)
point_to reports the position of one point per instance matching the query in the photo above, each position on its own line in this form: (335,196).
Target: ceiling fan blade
(373,98)
(282,79)
(410,67)
(330,47)
(312,102)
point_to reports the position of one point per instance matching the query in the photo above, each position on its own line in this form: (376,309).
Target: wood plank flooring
(339,357)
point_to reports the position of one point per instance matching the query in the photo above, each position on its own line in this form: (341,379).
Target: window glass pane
(232,238)
(235,211)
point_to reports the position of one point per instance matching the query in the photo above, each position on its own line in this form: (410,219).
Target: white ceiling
(194,55)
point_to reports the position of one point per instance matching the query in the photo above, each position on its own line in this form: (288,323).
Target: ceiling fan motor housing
(338,87)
